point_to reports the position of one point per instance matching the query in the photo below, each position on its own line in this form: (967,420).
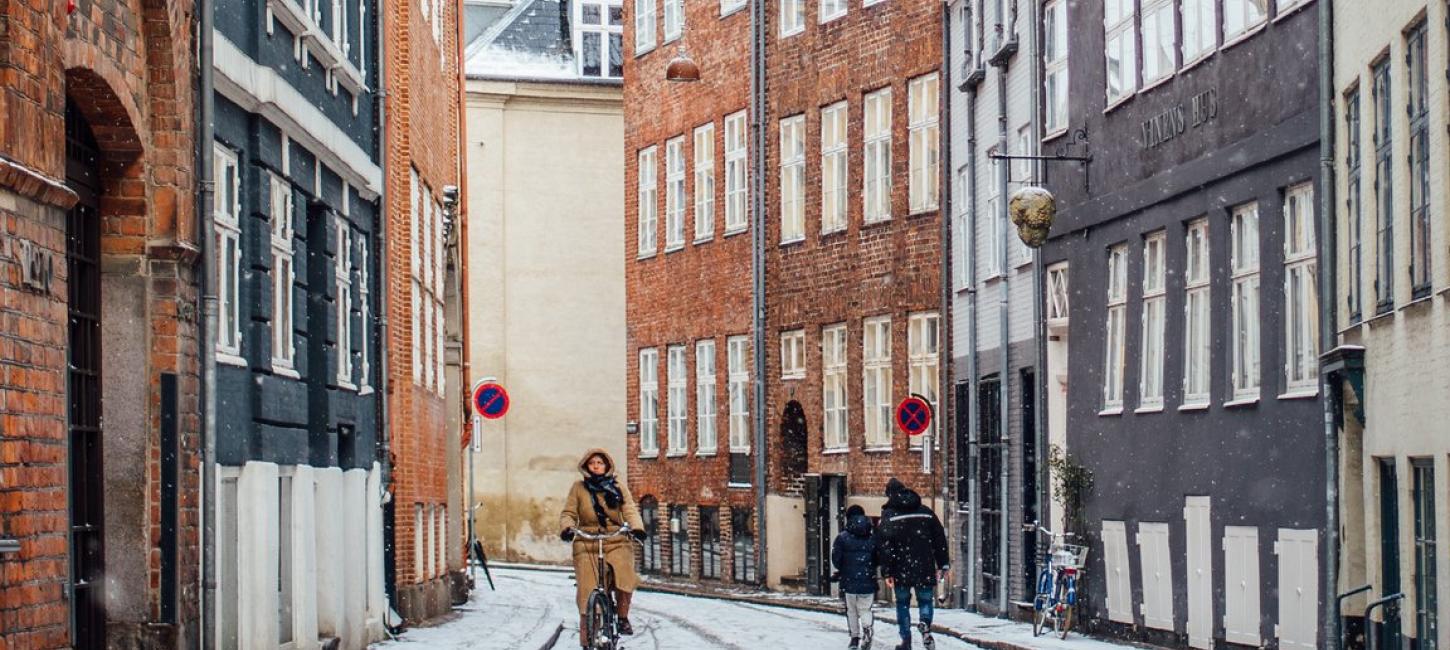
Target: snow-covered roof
(531,41)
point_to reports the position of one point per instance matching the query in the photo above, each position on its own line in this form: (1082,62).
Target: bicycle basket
(1070,555)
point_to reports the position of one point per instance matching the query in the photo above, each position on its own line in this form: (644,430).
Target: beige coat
(619,551)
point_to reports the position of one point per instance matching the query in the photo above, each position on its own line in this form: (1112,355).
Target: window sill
(670,38)
(1155,408)
(704,454)
(1193,407)
(678,453)
(833,231)
(1114,104)
(1154,84)
(793,241)
(875,221)
(1243,36)
(733,10)
(1285,13)
(836,452)
(794,32)
(1242,400)
(230,359)
(1054,134)
(738,486)
(740,450)
(736,230)
(1198,60)
(877,450)
(704,239)
(1111,411)
(641,51)
(649,455)
(1301,393)
(672,248)
(826,19)
(1423,300)
(792,377)
(645,256)
(366,390)
(284,371)
(347,385)
(1382,313)
(923,211)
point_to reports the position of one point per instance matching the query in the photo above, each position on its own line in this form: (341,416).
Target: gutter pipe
(206,188)
(1328,295)
(758,41)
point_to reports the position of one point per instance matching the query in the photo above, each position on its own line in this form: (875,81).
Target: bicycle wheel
(599,622)
(1065,621)
(1039,620)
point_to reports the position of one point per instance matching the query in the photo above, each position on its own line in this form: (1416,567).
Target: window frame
(1154,319)
(707,440)
(1245,340)
(228,231)
(1301,365)
(1421,262)
(647,184)
(1115,341)
(1206,20)
(1158,9)
(649,392)
(835,373)
(1197,359)
(1353,161)
(1055,69)
(282,230)
(675,193)
(1384,187)
(924,143)
(703,153)
(606,31)
(674,24)
(793,354)
(1120,26)
(792,179)
(1238,31)
(737,211)
(792,17)
(342,284)
(835,158)
(876,149)
(644,25)
(737,350)
(876,381)
(677,401)
(823,16)
(923,345)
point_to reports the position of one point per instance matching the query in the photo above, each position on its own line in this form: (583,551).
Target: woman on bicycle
(600,504)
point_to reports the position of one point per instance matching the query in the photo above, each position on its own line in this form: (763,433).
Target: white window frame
(342,271)
(677,407)
(1244,271)
(923,353)
(1154,318)
(606,31)
(736,212)
(792,17)
(1200,30)
(674,194)
(648,201)
(704,154)
(1055,69)
(924,179)
(1236,20)
(993,220)
(728,7)
(416,204)
(1119,36)
(876,382)
(1159,37)
(226,212)
(793,354)
(364,305)
(876,175)
(644,26)
(738,369)
(674,12)
(1114,361)
(706,439)
(1058,298)
(1301,299)
(834,375)
(284,277)
(649,402)
(1023,172)
(829,10)
(792,179)
(1197,316)
(834,168)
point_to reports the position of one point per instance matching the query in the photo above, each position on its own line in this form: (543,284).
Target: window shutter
(1241,585)
(1157,577)
(1298,588)
(1199,533)
(1119,574)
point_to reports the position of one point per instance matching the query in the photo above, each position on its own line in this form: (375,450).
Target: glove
(835,577)
(639,534)
(567,534)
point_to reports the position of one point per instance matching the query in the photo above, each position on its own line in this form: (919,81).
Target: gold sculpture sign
(1032,210)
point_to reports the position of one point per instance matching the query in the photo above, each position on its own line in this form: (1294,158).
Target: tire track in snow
(682,624)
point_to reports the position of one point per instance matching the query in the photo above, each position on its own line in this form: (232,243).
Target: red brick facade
(422,129)
(127,68)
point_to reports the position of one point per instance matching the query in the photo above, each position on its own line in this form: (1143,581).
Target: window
(1200,28)
(705,182)
(833,168)
(674,19)
(365,306)
(792,17)
(1121,52)
(1301,293)
(1117,321)
(284,275)
(1419,112)
(1054,63)
(705,398)
(876,380)
(1384,282)
(647,203)
(1353,201)
(417,204)
(792,354)
(1239,16)
(730,6)
(226,210)
(877,176)
(342,276)
(735,172)
(1057,295)
(1159,39)
(339,26)
(680,540)
(419,530)
(710,542)
(792,178)
(737,349)
(1426,597)
(1245,270)
(742,535)
(1196,339)
(644,26)
(1022,171)
(1150,381)
(675,194)
(649,403)
(831,9)
(649,515)
(923,344)
(679,437)
(925,173)
(599,38)
(833,386)
(993,220)
(426,285)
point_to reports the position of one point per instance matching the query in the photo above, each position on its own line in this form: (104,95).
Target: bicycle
(1056,596)
(600,620)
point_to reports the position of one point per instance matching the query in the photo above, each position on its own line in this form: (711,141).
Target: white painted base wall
(333,555)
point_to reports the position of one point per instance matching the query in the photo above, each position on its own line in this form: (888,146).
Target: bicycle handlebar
(599,537)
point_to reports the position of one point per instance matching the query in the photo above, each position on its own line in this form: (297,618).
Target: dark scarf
(606,486)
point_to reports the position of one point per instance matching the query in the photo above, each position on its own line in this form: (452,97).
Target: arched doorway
(83,381)
(794,444)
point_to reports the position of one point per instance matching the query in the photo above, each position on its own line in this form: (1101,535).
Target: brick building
(98,325)
(853,271)
(422,129)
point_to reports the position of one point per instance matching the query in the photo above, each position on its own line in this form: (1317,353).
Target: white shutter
(1241,585)
(1199,540)
(1119,575)
(1298,552)
(1157,577)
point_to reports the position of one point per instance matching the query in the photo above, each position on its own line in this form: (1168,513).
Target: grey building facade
(1186,326)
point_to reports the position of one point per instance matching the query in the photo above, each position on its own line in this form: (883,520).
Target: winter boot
(905,645)
(866,638)
(625,628)
(855,643)
(926,640)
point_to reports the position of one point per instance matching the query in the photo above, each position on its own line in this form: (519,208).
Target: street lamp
(682,68)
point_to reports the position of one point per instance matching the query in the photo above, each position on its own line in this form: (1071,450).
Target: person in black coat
(853,554)
(912,550)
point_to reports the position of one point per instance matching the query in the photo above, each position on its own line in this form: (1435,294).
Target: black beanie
(893,486)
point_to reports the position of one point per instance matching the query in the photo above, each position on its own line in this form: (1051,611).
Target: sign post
(914,416)
(490,402)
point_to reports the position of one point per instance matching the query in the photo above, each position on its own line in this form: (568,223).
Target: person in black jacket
(912,550)
(853,554)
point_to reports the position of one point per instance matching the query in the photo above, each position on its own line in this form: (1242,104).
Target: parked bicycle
(1056,597)
(600,618)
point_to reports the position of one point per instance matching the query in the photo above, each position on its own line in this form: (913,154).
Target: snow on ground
(529,605)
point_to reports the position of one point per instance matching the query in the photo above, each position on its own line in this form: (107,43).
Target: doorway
(1389,630)
(825,514)
(989,484)
(83,384)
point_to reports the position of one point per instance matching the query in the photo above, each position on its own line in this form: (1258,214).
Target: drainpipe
(1039,327)
(1327,299)
(206,187)
(1004,384)
(757,267)
(944,212)
(385,391)
(969,259)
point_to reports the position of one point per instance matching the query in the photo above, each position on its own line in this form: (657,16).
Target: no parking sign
(913,415)
(490,400)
